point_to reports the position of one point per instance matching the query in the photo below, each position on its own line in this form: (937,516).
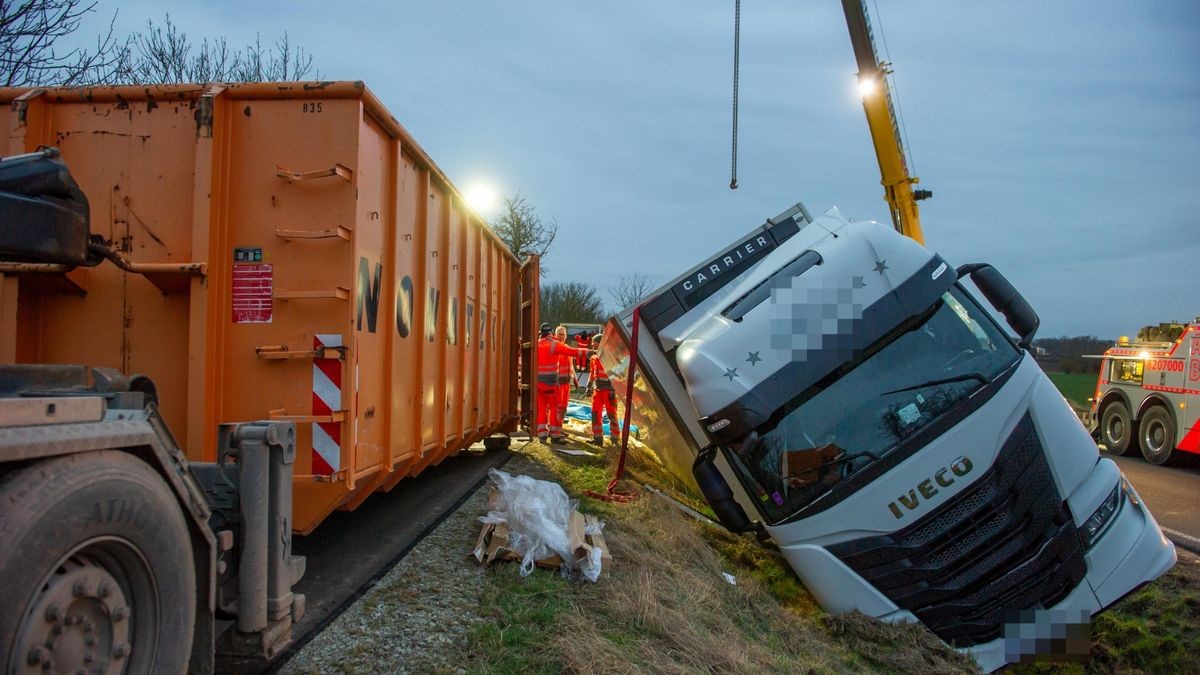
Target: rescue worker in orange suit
(549,421)
(603,399)
(583,341)
(566,369)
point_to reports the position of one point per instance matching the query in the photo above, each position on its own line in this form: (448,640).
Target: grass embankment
(1075,387)
(1155,630)
(665,606)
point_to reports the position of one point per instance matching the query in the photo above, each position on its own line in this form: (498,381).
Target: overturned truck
(835,387)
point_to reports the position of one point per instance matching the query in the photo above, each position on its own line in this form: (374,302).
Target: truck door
(1190,428)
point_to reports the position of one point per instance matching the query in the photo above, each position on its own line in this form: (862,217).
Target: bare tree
(283,62)
(631,289)
(571,302)
(523,230)
(30,49)
(32,32)
(164,53)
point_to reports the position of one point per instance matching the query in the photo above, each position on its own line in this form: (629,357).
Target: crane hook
(737,39)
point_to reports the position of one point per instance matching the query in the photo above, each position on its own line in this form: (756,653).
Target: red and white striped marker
(326,399)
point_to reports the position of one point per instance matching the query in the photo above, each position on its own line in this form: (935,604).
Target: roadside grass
(527,613)
(1075,387)
(1152,631)
(1155,630)
(665,605)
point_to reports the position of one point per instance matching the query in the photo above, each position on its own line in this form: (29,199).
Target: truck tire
(97,568)
(1116,428)
(1156,435)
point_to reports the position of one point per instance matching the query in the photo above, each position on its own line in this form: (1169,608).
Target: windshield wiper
(945,380)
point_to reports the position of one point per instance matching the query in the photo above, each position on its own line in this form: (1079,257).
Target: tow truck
(1149,389)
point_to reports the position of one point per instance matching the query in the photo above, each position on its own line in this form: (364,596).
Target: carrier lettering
(725,262)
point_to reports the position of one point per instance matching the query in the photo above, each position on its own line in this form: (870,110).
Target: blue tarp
(583,413)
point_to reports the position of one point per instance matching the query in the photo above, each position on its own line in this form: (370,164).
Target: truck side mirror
(1006,299)
(718,494)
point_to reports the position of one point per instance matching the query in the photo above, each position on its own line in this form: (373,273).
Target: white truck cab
(911,460)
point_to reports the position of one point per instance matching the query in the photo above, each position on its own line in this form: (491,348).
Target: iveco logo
(959,467)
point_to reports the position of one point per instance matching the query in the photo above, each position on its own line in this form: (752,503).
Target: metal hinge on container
(283,352)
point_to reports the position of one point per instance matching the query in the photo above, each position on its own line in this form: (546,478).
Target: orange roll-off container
(295,255)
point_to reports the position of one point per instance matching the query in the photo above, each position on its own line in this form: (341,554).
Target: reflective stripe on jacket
(547,358)
(566,354)
(597,375)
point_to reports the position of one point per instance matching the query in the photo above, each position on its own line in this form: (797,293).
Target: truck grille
(1006,543)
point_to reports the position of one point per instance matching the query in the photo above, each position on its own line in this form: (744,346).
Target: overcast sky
(1061,139)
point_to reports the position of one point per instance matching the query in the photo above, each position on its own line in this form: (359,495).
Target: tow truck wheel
(1156,435)
(1116,429)
(97,569)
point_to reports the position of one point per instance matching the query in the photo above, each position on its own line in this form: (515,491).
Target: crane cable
(737,39)
(906,148)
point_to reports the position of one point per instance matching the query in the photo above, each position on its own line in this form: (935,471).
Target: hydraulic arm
(881,118)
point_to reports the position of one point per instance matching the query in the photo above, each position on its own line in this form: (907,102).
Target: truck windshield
(869,407)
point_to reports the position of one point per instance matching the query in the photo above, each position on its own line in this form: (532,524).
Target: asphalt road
(1172,493)
(351,551)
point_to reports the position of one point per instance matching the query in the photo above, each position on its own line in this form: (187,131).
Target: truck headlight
(1098,522)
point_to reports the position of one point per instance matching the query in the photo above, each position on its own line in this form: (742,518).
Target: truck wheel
(97,568)
(1116,429)
(1156,435)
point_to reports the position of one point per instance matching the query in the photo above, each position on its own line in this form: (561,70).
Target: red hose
(611,495)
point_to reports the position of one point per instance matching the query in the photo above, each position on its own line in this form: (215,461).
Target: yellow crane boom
(881,118)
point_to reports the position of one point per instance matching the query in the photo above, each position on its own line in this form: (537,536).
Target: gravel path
(419,616)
